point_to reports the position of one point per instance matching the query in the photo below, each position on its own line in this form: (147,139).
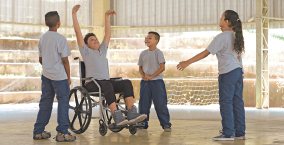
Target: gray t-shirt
(52,48)
(222,45)
(150,62)
(95,61)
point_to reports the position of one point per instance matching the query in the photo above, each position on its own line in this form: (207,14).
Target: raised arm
(107,25)
(77,29)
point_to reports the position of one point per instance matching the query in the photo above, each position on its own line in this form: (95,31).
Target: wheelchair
(81,104)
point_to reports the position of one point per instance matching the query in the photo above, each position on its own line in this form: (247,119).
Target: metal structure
(262,64)
(262,70)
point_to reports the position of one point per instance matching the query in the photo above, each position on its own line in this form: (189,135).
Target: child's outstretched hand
(75,9)
(182,65)
(110,12)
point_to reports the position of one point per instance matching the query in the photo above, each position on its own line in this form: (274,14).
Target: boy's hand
(69,81)
(75,9)
(110,12)
(147,77)
(182,65)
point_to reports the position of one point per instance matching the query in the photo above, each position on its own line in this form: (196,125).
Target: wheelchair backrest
(82,72)
(82,69)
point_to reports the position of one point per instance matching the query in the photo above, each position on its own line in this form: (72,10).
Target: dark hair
(236,25)
(157,35)
(87,37)
(51,19)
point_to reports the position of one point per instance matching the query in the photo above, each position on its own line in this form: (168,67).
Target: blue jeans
(154,90)
(49,89)
(231,103)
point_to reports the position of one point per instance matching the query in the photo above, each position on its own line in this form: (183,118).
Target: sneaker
(118,118)
(167,128)
(223,137)
(240,137)
(134,117)
(65,137)
(43,135)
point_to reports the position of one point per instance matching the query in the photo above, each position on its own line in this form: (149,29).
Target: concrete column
(99,9)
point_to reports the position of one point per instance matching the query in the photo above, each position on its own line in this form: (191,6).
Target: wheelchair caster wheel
(132,130)
(102,128)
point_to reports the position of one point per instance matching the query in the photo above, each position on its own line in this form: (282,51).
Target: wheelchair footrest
(135,126)
(113,126)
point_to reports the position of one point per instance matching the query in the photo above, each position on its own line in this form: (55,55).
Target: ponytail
(236,25)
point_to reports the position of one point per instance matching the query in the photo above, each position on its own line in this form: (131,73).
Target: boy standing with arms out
(151,65)
(53,56)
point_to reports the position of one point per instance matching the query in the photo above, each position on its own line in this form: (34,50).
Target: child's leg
(160,102)
(107,89)
(62,91)
(145,100)
(239,111)
(45,105)
(126,87)
(227,84)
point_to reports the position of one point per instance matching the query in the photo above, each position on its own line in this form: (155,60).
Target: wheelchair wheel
(132,130)
(102,128)
(110,121)
(81,106)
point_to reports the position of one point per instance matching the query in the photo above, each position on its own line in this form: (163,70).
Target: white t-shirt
(222,45)
(52,48)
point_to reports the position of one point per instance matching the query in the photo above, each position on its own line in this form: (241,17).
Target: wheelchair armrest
(116,78)
(91,78)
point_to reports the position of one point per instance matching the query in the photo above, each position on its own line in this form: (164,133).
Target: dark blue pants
(154,90)
(231,103)
(49,89)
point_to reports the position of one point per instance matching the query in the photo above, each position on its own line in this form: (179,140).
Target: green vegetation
(12,75)
(38,69)
(280,37)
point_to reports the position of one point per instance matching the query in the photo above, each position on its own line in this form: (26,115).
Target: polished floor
(192,125)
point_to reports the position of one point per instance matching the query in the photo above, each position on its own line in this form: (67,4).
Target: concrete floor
(192,125)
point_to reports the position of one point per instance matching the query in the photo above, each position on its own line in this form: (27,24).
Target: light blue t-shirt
(222,45)
(150,62)
(52,48)
(95,61)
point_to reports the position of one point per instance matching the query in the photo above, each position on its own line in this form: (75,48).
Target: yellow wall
(99,9)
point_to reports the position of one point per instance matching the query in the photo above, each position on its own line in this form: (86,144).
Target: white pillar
(262,71)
